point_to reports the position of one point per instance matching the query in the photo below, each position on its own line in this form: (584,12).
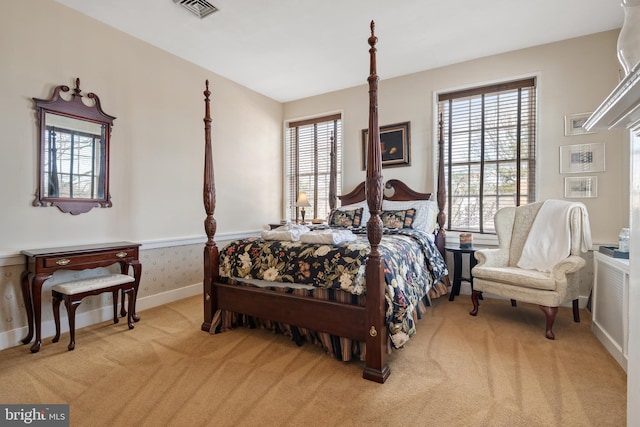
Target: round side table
(457,252)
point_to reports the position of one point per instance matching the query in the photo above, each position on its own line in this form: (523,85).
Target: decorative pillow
(365,210)
(426,216)
(398,219)
(346,218)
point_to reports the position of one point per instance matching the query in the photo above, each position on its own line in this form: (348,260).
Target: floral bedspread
(412,265)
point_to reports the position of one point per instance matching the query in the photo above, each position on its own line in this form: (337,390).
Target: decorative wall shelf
(621,109)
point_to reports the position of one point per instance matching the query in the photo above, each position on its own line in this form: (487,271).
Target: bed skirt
(341,348)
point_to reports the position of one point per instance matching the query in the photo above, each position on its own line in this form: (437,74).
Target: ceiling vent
(200,8)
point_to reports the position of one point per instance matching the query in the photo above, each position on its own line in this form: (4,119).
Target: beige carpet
(493,370)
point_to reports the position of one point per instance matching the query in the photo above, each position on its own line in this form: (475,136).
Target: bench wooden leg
(71,313)
(115,306)
(123,310)
(131,296)
(56,316)
(72,301)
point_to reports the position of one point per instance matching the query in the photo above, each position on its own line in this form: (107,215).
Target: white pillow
(426,216)
(365,211)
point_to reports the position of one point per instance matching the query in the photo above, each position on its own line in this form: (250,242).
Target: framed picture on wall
(582,158)
(395,145)
(581,187)
(573,124)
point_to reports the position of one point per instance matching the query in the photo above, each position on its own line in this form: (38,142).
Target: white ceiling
(291,49)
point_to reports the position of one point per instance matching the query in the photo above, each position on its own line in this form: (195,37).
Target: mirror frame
(73,108)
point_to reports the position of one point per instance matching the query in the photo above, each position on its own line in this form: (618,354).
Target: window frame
(292,182)
(529,176)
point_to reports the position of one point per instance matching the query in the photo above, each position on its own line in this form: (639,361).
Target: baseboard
(13,337)
(610,344)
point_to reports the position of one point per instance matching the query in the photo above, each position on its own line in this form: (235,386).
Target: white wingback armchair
(497,270)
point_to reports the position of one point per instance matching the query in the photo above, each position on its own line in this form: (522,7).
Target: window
(308,163)
(489,151)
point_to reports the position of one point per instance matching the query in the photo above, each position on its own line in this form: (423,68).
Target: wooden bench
(73,292)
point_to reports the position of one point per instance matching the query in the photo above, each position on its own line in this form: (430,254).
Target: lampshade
(302,201)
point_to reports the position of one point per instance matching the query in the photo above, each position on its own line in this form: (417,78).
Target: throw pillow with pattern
(398,219)
(348,218)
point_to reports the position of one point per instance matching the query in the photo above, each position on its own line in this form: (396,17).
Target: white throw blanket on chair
(549,240)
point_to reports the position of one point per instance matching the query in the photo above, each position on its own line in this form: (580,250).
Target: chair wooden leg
(550,312)
(474,300)
(576,311)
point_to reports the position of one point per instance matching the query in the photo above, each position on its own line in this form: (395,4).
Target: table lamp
(302,202)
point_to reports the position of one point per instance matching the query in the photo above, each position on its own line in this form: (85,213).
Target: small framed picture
(581,187)
(395,144)
(582,158)
(573,124)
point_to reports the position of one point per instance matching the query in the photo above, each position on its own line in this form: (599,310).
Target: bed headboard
(399,192)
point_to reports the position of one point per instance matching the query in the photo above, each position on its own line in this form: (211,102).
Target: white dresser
(610,305)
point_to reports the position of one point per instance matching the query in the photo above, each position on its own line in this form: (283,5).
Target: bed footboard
(325,316)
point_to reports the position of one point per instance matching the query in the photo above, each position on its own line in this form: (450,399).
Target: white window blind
(489,151)
(308,163)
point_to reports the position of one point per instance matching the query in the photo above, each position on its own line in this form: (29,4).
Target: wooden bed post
(441,194)
(376,359)
(333,172)
(209,197)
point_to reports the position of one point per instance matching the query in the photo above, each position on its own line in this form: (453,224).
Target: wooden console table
(40,264)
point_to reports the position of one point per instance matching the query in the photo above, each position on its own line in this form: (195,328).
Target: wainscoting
(171,270)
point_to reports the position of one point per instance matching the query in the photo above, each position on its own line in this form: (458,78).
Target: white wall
(157,155)
(573,77)
(157,145)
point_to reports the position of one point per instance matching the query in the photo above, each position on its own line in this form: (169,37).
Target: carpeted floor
(493,370)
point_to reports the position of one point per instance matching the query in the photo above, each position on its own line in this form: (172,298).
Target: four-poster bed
(365,320)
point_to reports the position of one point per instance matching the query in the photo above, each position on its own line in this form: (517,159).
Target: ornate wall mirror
(73,155)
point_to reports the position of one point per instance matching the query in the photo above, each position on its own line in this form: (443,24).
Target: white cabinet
(610,305)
